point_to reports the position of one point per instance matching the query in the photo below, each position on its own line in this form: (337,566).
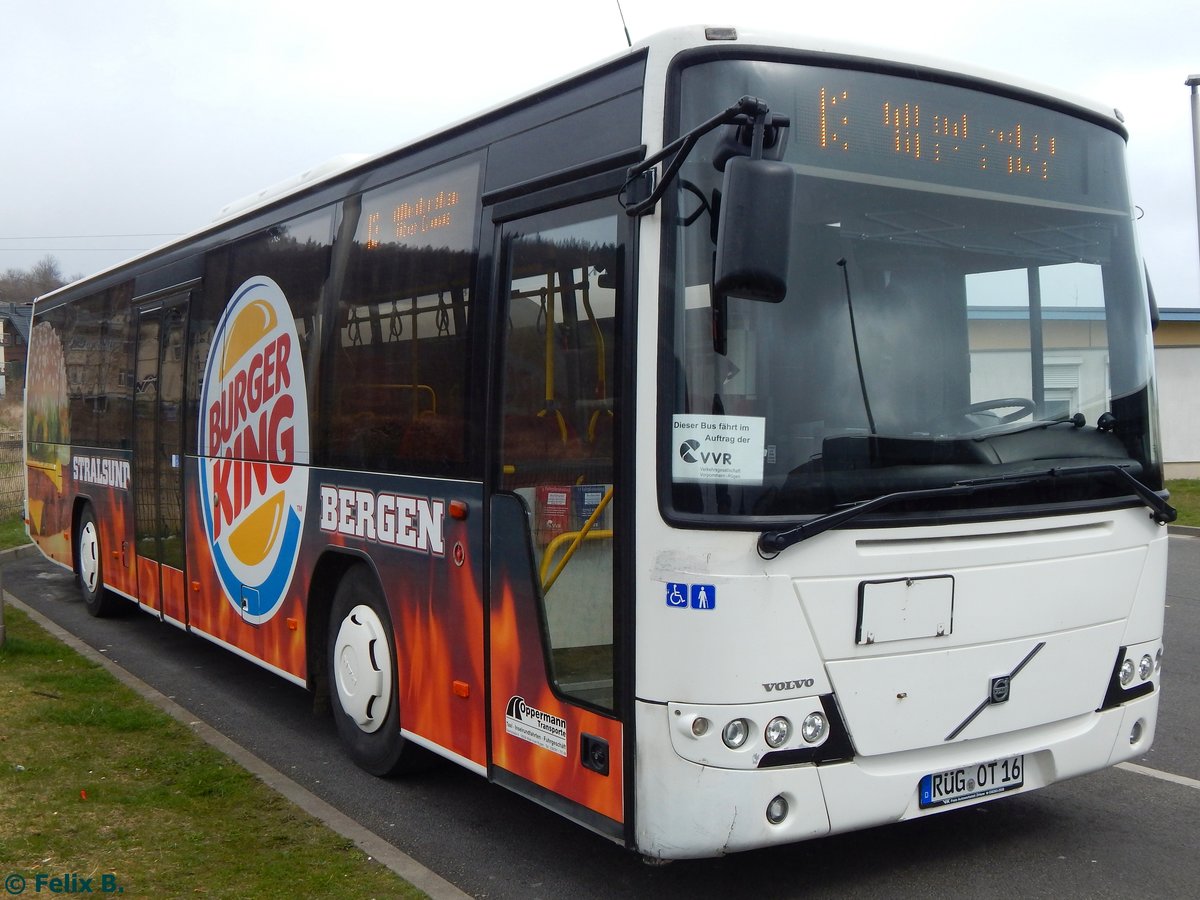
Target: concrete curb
(370,843)
(1184,530)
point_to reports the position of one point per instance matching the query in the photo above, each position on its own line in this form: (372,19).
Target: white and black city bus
(738,442)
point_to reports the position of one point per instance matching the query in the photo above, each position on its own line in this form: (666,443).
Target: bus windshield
(964,301)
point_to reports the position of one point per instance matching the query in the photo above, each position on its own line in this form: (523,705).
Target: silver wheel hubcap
(89,557)
(363,668)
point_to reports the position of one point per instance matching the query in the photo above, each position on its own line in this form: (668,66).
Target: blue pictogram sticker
(704,596)
(677,595)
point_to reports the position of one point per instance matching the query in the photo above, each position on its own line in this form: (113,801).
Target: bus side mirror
(754,230)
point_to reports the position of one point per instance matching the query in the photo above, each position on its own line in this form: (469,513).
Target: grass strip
(98,785)
(1185,497)
(12,531)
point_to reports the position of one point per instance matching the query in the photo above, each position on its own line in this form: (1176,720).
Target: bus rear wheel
(362,677)
(89,566)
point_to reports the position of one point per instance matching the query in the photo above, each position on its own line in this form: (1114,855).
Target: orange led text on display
(910,131)
(412,218)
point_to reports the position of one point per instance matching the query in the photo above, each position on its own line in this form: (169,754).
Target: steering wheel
(1024,407)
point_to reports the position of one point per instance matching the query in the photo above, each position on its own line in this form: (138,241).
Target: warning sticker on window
(728,449)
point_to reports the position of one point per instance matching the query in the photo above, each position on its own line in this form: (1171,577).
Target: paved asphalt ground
(1133,831)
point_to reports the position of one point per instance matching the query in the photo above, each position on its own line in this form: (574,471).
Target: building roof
(1179,314)
(20,315)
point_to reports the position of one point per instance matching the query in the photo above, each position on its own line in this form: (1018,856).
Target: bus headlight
(777,732)
(1127,668)
(1145,667)
(814,727)
(734,734)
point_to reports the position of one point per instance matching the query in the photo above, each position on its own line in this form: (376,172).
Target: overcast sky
(128,122)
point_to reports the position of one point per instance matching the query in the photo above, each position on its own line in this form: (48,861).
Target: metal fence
(12,474)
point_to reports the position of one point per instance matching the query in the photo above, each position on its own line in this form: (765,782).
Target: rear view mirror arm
(679,149)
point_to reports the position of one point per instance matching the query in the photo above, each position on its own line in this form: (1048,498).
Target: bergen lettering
(414,523)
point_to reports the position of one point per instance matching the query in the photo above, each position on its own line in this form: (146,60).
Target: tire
(89,567)
(363,690)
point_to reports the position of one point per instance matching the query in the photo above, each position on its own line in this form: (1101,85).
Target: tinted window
(296,256)
(93,334)
(399,368)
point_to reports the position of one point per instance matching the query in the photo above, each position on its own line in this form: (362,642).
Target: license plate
(985,779)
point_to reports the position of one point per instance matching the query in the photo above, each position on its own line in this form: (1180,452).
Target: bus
(741,441)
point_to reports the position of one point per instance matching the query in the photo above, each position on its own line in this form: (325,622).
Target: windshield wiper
(771,543)
(1162,511)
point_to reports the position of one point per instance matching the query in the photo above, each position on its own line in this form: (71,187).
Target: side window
(86,322)
(564,278)
(114,377)
(47,401)
(296,256)
(95,340)
(400,368)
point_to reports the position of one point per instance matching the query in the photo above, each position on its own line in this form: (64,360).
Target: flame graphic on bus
(253,444)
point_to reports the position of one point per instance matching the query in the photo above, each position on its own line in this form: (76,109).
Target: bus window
(96,337)
(557,431)
(400,366)
(295,255)
(1039,332)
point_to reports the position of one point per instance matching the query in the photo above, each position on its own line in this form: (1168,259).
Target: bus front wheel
(362,669)
(89,566)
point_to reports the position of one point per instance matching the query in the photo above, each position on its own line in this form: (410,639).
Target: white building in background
(1075,351)
(1177,357)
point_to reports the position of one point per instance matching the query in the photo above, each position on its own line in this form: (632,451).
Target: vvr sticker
(254,443)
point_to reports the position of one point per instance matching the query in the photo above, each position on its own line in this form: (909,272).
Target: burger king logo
(254,442)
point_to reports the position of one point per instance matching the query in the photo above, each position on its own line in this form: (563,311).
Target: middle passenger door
(555,630)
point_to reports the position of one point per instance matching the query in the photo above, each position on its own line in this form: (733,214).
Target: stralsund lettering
(100,470)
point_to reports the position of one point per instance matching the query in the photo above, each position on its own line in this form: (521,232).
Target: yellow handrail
(576,538)
(417,389)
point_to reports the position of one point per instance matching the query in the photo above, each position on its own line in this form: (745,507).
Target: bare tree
(20,286)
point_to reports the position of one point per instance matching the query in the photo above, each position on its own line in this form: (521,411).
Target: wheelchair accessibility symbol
(694,596)
(677,595)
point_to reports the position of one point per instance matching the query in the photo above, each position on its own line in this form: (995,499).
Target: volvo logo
(999,692)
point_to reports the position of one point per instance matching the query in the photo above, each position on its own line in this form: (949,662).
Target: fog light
(735,733)
(700,726)
(1126,672)
(1145,667)
(778,731)
(814,727)
(777,810)
(1135,733)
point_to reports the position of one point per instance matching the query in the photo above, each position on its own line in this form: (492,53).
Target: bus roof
(660,48)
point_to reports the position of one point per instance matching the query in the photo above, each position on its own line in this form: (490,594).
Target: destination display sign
(884,127)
